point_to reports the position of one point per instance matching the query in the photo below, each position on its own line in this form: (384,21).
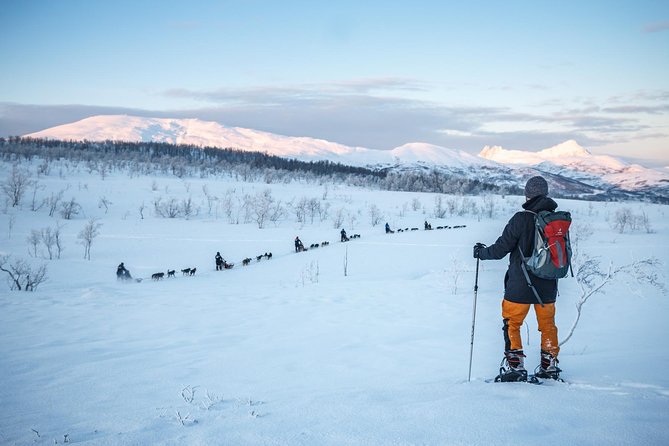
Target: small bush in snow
(104,203)
(35,204)
(22,275)
(34,239)
(439,209)
(624,219)
(167,209)
(70,209)
(53,201)
(375,214)
(338,218)
(489,206)
(310,273)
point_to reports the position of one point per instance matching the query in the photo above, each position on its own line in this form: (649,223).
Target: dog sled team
(426,226)
(122,273)
(299,246)
(346,238)
(222,264)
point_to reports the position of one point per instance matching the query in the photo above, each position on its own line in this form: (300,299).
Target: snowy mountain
(568,154)
(572,169)
(195,132)
(571,160)
(203,133)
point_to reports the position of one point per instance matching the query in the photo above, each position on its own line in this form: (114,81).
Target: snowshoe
(512,368)
(548,368)
(510,375)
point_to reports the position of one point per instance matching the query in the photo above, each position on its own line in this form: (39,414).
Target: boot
(512,367)
(548,368)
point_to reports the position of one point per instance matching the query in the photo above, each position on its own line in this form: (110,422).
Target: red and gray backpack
(551,251)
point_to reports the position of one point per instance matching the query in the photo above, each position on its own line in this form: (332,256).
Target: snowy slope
(192,131)
(290,351)
(436,155)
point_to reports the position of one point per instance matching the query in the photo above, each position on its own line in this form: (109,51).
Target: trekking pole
(471,348)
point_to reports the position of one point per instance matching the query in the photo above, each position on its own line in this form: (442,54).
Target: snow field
(290,351)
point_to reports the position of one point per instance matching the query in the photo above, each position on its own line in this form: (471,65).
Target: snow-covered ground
(293,351)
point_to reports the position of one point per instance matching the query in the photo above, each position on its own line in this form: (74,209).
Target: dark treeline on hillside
(192,161)
(161,153)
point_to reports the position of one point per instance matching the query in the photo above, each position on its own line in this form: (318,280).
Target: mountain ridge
(566,160)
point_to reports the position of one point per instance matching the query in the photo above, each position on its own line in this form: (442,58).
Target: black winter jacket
(519,231)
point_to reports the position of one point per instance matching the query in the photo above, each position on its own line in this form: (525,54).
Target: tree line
(184,160)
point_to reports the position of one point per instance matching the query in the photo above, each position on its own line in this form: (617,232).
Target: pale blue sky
(521,74)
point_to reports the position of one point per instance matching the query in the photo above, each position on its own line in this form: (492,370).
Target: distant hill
(572,169)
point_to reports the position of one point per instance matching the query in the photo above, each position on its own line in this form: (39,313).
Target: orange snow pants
(514,314)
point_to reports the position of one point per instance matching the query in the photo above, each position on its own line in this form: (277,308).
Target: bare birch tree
(16,185)
(87,235)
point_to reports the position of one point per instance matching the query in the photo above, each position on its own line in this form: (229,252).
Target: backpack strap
(527,277)
(571,268)
(522,263)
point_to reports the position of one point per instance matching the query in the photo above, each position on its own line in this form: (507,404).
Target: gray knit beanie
(536,186)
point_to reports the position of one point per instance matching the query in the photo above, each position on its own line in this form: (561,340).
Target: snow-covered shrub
(489,205)
(22,275)
(167,209)
(70,209)
(439,209)
(375,214)
(624,219)
(338,218)
(265,207)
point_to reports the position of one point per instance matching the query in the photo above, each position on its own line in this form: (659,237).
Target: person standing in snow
(518,296)
(298,245)
(219,261)
(344,237)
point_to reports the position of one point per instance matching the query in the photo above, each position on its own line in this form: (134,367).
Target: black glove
(477,250)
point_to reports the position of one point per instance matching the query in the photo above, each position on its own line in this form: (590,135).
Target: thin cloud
(657,27)
(376,84)
(648,109)
(625,109)
(185,25)
(307,93)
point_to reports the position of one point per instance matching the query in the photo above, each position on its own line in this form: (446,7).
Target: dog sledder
(299,246)
(219,261)
(122,273)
